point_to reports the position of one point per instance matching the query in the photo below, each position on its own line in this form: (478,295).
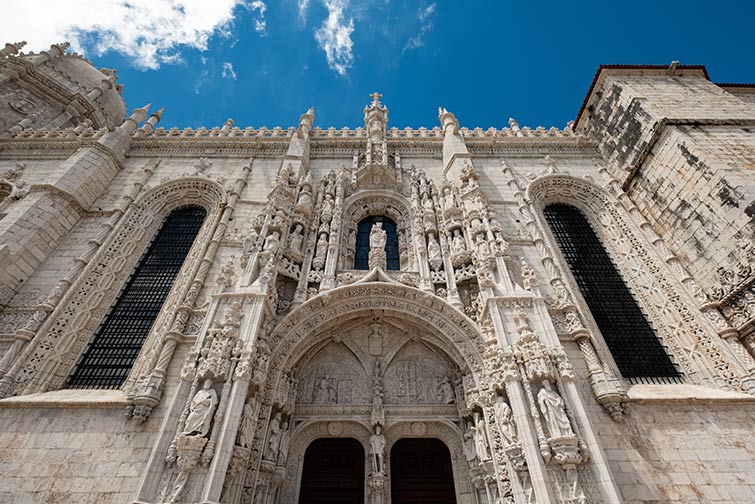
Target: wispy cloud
(425,16)
(260,25)
(150,32)
(334,36)
(228,72)
(303,7)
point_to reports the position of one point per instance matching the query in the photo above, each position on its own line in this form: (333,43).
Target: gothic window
(361,260)
(109,357)
(632,341)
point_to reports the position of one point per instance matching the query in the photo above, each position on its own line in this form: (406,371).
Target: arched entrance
(333,472)
(421,472)
(371,359)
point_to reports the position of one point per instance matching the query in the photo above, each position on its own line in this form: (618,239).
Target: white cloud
(260,25)
(148,31)
(302,6)
(334,36)
(228,72)
(426,24)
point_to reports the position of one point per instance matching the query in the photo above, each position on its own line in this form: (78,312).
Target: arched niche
(372,203)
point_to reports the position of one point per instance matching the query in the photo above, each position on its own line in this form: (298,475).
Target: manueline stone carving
(201,408)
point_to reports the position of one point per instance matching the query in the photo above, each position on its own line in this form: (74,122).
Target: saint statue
(447,395)
(273,438)
(283,445)
(378,411)
(250,241)
(295,238)
(272,242)
(321,249)
(377,450)
(554,413)
(483,249)
(201,408)
(459,246)
(470,449)
(433,248)
(246,430)
(378,238)
(327,208)
(505,420)
(305,198)
(481,439)
(448,200)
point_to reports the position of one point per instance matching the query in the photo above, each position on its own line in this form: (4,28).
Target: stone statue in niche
(483,249)
(378,237)
(377,451)
(250,241)
(446,391)
(272,242)
(295,238)
(378,411)
(201,408)
(305,198)
(283,445)
(458,242)
(327,208)
(448,200)
(246,429)
(554,412)
(505,420)
(273,439)
(470,447)
(433,252)
(481,438)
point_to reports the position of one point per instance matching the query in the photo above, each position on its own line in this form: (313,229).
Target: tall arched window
(109,357)
(630,338)
(361,258)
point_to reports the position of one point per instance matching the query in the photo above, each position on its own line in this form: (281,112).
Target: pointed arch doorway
(421,472)
(333,472)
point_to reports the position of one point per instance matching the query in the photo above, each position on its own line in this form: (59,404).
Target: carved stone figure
(201,408)
(305,198)
(458,242)
(553,411)
(377,451)
(446,391)
(250,241)
(378,237)
(483,249)
(273,439)
(295,238)
(327,208)
(481,439)
(448,200)
(272,242)
(470,447)
(246,429)
(283,445)
(505,420)
(433,251)
(378,411)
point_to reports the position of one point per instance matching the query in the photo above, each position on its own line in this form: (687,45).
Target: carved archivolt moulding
(58,343)
(692,342)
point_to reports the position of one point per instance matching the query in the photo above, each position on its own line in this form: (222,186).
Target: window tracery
(115,346)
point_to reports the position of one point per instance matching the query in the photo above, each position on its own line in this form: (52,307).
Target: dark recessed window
(108,359)
(632,341)
(361,260)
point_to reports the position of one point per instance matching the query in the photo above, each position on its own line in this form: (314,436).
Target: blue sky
(264,62)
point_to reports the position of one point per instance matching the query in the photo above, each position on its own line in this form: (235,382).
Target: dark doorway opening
(421,472)
(333,472)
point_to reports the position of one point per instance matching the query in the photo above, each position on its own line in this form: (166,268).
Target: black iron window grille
(632,341)
(361,258)
(114,348)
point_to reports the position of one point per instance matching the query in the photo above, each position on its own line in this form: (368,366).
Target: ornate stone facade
(271,338)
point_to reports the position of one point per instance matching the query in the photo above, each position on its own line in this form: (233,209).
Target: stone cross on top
(376,99)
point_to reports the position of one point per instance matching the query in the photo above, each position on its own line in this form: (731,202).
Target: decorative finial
(376,98)
(672,67)
(11,48)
